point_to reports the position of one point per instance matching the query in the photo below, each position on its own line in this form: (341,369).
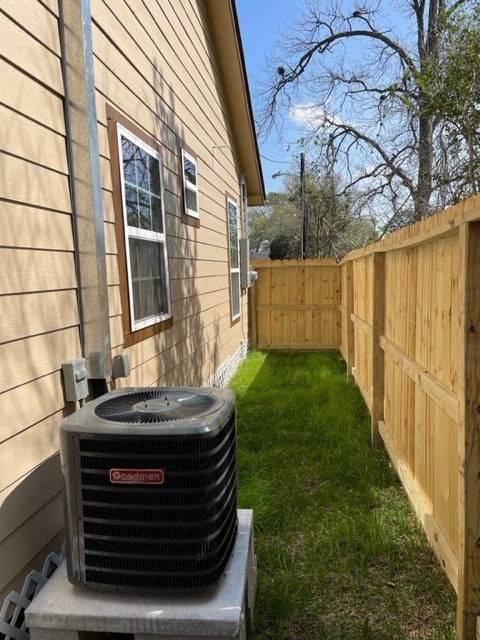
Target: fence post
(378,326)
(350,327)
(468,590)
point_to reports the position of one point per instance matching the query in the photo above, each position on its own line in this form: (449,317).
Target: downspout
(75,27)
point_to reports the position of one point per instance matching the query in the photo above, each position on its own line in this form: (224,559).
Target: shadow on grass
(340,553)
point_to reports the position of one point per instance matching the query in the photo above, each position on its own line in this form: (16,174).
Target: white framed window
(190,184)
(234,257)
(144,230)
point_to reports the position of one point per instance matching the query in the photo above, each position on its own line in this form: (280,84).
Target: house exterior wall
(165,81)
(155,64)
(38,309)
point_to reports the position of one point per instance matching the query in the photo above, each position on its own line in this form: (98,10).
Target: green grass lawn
(340,553)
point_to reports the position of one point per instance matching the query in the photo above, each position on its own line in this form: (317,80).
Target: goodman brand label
(137,476)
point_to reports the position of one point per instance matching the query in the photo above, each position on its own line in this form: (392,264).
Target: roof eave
(225,32)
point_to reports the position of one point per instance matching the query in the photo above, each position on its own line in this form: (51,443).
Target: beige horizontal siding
(28,53)
(35,357)
(27,270)
(51,5)
(30,404)
(116,334)
(23,316)
(36,21)
(35,533)
(34,186)
(193,287)
(25,95)
(110,239)
(187,362)
(38,305)
(26,182)
(114,301)
(213,320)
(167,70)
(112,270)
(214,166)
(193,99)
(34,494)
(208,249)
(107,206)
(15,506)
(36,143)
(32,228)
(161,48)
(29,449)
(187,268)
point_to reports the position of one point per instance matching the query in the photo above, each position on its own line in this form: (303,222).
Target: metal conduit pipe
(69,150)
(75,27)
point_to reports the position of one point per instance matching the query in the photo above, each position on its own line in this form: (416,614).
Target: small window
(190,184)
(234,257)
(144,230)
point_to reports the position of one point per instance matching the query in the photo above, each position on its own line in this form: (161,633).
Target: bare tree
(358,81)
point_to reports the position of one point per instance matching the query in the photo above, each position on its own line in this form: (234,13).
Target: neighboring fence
(294,304)
(410,334)
(411,338)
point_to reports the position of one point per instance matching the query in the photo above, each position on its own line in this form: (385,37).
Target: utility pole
(303,207)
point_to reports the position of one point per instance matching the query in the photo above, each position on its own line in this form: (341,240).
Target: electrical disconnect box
(247,276)
(75,380)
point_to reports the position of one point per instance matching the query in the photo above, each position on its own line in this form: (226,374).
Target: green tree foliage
(279,216)
(453,89)
(282,247)
(258,228)
(334,224)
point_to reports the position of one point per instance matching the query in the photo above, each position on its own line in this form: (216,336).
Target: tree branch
(323,45)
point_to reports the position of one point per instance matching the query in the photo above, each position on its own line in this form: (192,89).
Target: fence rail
(405,314)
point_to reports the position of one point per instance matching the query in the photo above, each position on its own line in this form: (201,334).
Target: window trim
(187,185)
(132,335)
(159,238)
(235,317)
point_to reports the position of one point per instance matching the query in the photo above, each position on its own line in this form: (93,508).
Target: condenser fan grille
(153,406)
(176,535)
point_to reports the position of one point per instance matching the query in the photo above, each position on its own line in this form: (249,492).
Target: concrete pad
(62,611)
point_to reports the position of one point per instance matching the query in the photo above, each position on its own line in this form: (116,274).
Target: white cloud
(312,116)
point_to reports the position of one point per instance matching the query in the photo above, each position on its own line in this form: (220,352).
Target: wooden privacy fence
(410,334)
(295,304)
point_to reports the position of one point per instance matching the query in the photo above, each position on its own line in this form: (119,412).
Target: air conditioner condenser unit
(151,488)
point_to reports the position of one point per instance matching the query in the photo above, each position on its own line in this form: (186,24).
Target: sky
(261,23)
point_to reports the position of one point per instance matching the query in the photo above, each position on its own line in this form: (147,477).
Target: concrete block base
(62,611)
